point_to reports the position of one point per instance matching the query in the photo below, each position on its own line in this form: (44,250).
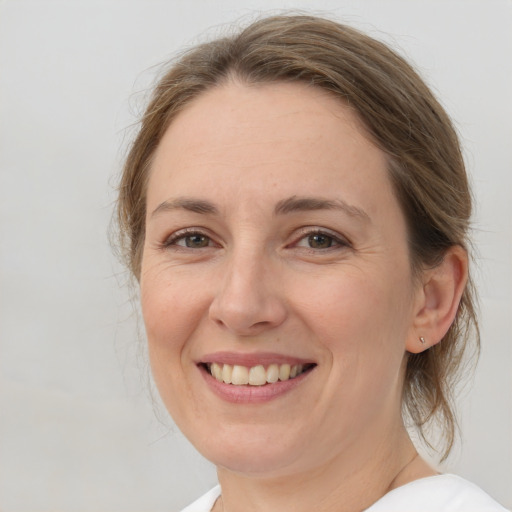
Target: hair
(400,115)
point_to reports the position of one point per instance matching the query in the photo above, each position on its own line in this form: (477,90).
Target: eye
(196,241)
(189,240)
(321,240)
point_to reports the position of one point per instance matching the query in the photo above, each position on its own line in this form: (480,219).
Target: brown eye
(320,241)
(195,241)
(190,240)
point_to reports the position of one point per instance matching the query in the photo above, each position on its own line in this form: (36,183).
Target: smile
(253,378)
(258,375)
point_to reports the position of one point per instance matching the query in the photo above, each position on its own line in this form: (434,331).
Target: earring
(422,340)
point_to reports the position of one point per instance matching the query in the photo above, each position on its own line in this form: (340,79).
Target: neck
(349,482)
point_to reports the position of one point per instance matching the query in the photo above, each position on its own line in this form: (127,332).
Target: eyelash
(335,240)
(182,235)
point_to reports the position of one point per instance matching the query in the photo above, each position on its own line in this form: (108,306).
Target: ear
(437,300)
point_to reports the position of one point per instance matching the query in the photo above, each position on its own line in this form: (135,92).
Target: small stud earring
(422,340)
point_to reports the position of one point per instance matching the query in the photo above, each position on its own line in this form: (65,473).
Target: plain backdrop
(78,428)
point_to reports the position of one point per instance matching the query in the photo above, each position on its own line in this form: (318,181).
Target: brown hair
(403,119)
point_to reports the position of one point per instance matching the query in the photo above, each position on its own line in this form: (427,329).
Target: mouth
(258,375)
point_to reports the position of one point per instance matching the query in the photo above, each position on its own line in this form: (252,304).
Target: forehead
(276,112)
(258,137)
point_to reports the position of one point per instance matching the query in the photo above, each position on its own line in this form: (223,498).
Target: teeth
(273,373)
(240,375)
(284,372)
(217,371)
(257,376)
(254,376)
(227,373)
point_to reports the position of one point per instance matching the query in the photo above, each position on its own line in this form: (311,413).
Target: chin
(270,465)
(251,452)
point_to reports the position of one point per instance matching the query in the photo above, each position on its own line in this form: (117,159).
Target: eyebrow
(283,207)
(294,204)
(186,203)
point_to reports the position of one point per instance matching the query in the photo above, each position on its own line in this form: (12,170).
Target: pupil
(320,241)
(196,241)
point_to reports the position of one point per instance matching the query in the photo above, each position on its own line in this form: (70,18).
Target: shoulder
(442,493)
(205,502)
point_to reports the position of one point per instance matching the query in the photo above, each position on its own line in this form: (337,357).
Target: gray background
(77,426)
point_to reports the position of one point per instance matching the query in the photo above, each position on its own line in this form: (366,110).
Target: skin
(252,280)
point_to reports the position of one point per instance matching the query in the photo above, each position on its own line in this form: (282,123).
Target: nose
(248,300)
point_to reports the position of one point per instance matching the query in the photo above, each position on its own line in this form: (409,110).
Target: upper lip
(252,359)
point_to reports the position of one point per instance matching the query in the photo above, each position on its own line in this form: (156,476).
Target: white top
(441,493)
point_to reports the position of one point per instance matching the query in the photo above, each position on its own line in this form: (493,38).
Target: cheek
(364,329)
(362,321)
(357,302)
(169,302)
(169,321)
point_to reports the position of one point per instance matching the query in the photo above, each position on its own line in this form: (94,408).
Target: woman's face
(274,240)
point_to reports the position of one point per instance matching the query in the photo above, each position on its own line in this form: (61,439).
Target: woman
(295,208)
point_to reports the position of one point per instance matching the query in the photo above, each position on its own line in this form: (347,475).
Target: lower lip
(252,394)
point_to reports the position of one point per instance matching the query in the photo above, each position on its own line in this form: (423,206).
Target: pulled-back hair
(400,115)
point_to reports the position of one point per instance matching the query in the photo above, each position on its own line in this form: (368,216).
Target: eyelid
(170,241)
(341,240)
(300,234)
